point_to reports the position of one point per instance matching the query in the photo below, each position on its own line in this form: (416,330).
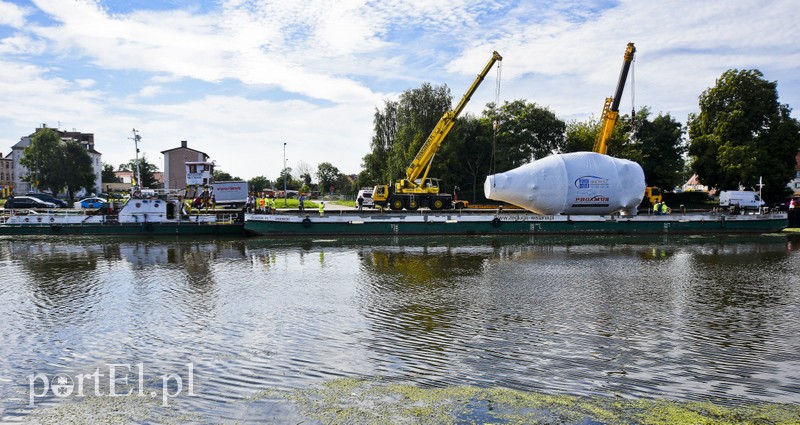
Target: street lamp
(284,174)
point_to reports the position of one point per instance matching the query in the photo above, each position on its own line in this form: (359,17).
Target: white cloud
(12,15)
(151,91)
(21,45)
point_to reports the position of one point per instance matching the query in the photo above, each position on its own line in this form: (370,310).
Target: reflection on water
(687,318)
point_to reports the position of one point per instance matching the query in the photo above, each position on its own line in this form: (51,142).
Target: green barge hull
(127,229)
(506,223)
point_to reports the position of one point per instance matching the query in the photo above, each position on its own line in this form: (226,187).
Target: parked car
(28,202)
(48,198)
(789,203)
(93,202)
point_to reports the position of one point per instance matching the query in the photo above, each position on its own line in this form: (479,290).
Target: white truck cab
(366,195)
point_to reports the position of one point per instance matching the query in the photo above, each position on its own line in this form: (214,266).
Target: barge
(520,222)
(137,217)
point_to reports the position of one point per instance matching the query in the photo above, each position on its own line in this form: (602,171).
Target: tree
(258,184)
(108,174)
(286,175)
(222,176)
(146,169)
(465,161)
(44,158)
(327,175)
(662,149)
(742,134)
(374,164)
(525,132)
(581,135)
(79,174)
(55,164)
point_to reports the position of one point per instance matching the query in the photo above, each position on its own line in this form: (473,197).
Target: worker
(664,209)
(657,208)
(271,206)
(321,208)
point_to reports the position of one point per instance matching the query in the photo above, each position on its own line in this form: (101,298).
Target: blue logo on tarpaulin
(591,182)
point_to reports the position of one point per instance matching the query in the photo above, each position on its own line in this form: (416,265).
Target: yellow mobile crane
(611,114)
(417,189)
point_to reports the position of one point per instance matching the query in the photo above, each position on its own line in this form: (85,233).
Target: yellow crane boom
(611,107)
(421,164)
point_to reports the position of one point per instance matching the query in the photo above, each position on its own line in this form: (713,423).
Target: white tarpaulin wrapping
(573,183)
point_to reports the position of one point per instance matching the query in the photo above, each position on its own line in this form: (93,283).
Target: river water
(221,330)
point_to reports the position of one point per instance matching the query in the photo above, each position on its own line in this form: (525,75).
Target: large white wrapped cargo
(574,183)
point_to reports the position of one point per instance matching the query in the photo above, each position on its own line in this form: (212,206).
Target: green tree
(374,165)
(259,183)
(418,112)
(108,174)
(662,149)
(742,134)
(222,176)
(44,159)
(79,174)
(146,169)
(465,161)
(580,135)
(525,132)
(286,175)
(327,175)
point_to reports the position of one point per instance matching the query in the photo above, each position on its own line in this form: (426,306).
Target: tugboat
(138,216)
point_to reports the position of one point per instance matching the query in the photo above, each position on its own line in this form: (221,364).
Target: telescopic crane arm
(611,106)
(421,164)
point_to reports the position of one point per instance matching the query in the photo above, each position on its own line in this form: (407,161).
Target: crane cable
(495,123)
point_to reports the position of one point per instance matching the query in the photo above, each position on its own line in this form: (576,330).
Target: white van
(366,195)
(744,199)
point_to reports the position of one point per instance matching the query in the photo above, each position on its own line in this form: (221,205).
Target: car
(48,198)
(788,204)
(28,202)
(93,202)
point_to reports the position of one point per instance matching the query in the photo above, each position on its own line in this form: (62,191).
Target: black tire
(396,203)
(412,204)
(306,222)
(495,222)
(437,204)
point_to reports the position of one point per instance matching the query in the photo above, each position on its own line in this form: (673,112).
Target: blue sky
(238,78)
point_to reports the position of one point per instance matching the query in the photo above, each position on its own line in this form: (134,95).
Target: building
(175,164)
(6,175)
(20,173)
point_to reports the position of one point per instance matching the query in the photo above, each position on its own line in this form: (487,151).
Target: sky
(254,82)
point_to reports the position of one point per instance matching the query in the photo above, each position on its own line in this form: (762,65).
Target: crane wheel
(396,204)
(437,204)
(413,204)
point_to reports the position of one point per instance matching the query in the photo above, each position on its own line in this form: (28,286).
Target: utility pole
(136,139)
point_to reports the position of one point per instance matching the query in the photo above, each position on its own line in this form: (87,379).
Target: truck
(417,189)
(232,194)
(743,199)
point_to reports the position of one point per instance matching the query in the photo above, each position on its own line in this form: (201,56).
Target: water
(250,321)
